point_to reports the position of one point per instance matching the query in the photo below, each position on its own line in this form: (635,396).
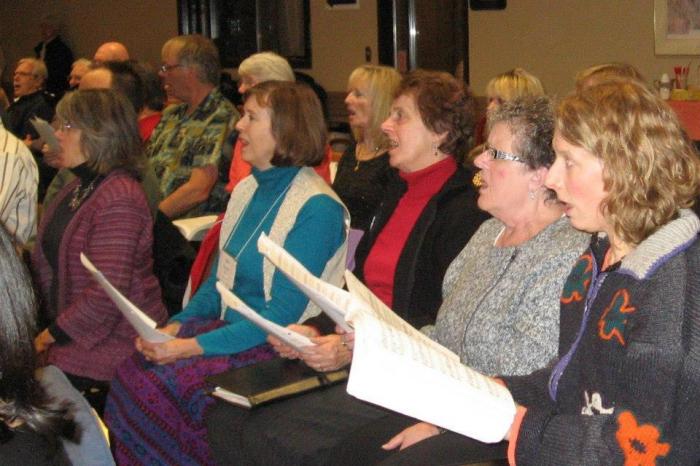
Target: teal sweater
(320,219)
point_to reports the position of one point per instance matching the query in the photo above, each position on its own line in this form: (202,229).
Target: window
(243,27)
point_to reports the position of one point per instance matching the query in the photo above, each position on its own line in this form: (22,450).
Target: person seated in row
(124,78)
(600,73)
(104,214)
(110,51)
(624,387)
(501,308)
(77,71)
(18,193)
(502,88)
(29,98)
(256,69)
(185,147)
(156,406)
(428,214)
(363,170)
(31,101)
(153,100)
(31,427)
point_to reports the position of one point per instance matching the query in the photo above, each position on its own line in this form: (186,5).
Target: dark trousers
(363,447)
(301,431)
(94,391)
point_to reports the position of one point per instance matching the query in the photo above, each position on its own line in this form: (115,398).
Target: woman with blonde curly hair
(625,385)
(630,316)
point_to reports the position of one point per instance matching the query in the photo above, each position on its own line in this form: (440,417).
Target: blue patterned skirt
(155,413)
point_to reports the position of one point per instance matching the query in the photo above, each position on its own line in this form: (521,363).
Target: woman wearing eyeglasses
(500,313)
(104,214)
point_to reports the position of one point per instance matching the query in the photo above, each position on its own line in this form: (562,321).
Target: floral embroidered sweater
(626,387)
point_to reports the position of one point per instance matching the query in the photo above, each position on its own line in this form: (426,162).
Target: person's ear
(537,178)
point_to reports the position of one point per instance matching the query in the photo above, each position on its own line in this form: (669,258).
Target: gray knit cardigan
(500,311)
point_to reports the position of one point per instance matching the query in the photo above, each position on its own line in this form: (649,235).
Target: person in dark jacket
(31,101)
(57,56)
(428,214)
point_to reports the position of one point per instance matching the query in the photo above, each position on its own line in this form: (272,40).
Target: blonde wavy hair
(599,73)
(382,83)
(513,84)
(650,167)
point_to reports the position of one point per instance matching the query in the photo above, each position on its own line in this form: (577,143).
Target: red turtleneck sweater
(383,258)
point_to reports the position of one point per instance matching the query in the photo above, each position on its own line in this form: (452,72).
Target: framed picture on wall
(677,27)
(487,4)
(242,27)
(342,4)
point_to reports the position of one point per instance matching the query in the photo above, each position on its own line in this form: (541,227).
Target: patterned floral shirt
(182,142)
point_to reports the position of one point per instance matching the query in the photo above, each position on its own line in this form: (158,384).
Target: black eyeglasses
(496,154)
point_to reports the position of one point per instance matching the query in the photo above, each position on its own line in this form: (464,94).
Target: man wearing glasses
(30,101)
(185,147)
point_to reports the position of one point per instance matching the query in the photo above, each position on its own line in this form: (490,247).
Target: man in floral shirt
(185,148)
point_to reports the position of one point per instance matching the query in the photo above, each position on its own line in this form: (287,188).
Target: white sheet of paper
(142,323)
(385,314)
(194,228)
(394,367)
(46,133)
(290,337)
(333,300)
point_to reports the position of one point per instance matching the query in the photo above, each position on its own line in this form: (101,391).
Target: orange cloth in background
(688,112)
(147,125)
(240,168)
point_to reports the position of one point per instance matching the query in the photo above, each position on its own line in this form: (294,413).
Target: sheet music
(195,228)
(290,337)
(334,301)
(142,323)
(46,133)
(395,368)
(382,312)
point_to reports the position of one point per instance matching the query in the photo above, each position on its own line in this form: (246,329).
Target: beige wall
(338,46)
(551,38)
(143,25)
(339,41)
(556,38)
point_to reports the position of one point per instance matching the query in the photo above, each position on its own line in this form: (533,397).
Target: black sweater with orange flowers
(626,387)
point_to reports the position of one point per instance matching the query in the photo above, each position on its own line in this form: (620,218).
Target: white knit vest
(305,184)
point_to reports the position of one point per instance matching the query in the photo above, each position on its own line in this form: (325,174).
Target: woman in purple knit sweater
(104,214)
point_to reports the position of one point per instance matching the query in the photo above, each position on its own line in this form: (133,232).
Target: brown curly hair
(650,167)
(445,106)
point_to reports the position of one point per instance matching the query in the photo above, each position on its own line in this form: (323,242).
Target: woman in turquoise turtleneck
(283,134)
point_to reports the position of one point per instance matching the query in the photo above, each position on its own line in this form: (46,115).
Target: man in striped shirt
(19,180)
